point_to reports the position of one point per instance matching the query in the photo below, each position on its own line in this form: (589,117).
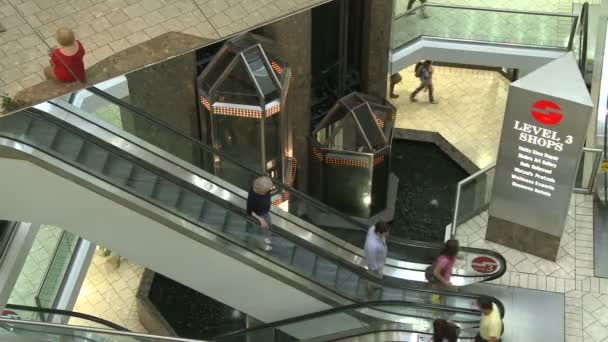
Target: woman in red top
(67,64)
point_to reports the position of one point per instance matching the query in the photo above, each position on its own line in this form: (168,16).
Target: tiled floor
(109,26)
(35,266)
(586,296)
(469,113)
(109,292)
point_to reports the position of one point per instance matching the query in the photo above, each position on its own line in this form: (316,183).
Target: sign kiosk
(541,143)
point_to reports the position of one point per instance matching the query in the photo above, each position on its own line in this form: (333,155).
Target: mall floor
(108,27)
(109,292)
(469,113)
(572,275)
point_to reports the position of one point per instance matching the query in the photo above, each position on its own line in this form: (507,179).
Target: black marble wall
(192,314)
(426,192)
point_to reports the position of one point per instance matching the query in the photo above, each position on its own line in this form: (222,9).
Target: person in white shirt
(375,254)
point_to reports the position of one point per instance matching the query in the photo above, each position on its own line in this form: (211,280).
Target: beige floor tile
(110,292)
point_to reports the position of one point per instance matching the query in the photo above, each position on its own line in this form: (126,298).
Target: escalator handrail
(584,22)
(61,124)
(338,310)
(484,9)
(68,313)
(212,150)
(392,240)
(135,335)
(323,206)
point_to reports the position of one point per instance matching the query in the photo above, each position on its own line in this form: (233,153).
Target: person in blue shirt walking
(375,254)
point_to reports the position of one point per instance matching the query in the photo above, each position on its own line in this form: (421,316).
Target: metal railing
(52,330)
(533,33)
(53,283)
(487,187)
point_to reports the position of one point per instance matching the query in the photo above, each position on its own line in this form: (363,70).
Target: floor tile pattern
(108,26)
(469,113)
(586,296)
(109,291)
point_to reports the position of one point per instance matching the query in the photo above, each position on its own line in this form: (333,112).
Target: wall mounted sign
(484,264)
(542,138)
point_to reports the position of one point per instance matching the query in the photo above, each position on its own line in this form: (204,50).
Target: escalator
(40,314)
(92,188)
(305,217)
(347,323)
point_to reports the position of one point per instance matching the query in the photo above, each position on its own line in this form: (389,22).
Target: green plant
(9,104)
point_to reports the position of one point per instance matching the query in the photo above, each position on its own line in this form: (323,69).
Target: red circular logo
(484,264)
(547,112)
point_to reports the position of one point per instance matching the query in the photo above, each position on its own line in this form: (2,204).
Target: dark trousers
(411,4)
(428,86)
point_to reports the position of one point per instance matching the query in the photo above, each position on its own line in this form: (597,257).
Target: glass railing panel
(11,330)
(493,26)
(475,194)
(57,270)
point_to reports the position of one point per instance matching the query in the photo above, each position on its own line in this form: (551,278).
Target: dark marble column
(523,238)
(293,38)
(167,92)
(376,46)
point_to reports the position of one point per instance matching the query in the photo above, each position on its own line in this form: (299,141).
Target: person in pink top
(445,263)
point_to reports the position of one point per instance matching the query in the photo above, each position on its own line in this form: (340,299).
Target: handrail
(341,309)
(486,9)
(95,330)
(397,242)
(489,168)
(362,273)
(501,10)
(212,150)
(584,23)
(75,314)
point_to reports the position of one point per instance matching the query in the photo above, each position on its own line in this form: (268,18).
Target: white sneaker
(267,241)
(268,248)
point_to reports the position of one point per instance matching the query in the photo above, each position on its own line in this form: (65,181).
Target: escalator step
(15,124)
(282,252)
(94,158)
(326,271)
(235,223)
(191,204)
(303,261)
(389,293)
(167,193)
(214,216)
(119,170)
(143,181)
(68,145)
(42,133)
(347,281)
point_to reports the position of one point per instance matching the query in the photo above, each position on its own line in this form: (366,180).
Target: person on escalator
(444,331)
(258,205)
(375,254)
(491,326)
(444,265)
